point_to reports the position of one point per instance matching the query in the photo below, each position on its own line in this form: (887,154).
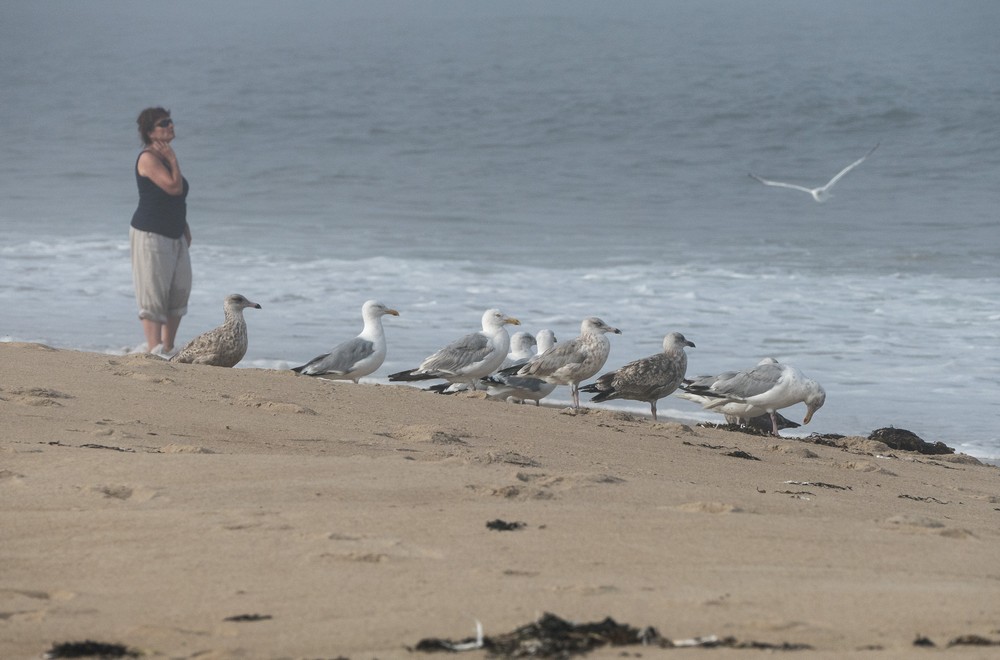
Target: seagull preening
(575,360)
(736,412)
(822,193)
(468,358)
(648,379)
(224,346)
(768,387)
(357,357)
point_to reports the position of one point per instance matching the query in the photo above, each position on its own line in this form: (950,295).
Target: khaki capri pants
(161,273)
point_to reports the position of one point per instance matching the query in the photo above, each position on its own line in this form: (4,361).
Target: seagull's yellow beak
(392,311)
(511,321)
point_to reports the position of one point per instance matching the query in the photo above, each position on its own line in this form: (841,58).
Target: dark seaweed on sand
(759,426)
(551,637)
(90,649)
(962,640)
(504,526)
(908,441)
(739,453)
(973,640)
(248,617)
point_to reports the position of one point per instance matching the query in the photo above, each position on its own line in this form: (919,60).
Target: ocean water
(556,159)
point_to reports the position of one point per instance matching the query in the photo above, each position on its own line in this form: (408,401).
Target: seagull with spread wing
(822,193)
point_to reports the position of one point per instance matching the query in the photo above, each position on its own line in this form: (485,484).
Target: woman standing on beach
(159,235)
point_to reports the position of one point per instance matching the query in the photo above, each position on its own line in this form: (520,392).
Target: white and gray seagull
(520,352)
(468,358)
(822,193)
(574,361)
(741,414)
(769,386)
(357,357)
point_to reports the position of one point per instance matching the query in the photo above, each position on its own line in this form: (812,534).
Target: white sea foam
(922,363)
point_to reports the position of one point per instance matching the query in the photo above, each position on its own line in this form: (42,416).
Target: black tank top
(159,212)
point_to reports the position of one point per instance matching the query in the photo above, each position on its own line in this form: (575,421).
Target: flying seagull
(822,193)
(357,357)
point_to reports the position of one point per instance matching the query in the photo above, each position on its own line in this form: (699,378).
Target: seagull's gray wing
(746,384)
(555,358)
(459,354)
(341,359)
(704,382)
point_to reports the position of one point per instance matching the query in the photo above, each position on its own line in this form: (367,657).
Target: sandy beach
(186,511)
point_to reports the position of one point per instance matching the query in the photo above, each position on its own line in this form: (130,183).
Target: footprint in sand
(435,436)
(587,589)
(151,378)
(514,492)
(36,396)
(251,401)
(793,450)
(915,524)
(8,477)
(864,466)
(511,458)
(30,605)
(111,429)
(709,507)
(125,492)
(540,486)
(373,550)
(142,366)
(183,449)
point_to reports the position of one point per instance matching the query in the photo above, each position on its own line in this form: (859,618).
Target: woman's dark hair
(147,122)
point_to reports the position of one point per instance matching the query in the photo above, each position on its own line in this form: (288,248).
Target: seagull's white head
(494,319)
(814,401)
(374,309)
(546,339)
(522,342)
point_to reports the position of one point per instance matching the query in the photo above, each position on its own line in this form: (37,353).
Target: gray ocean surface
(557,159)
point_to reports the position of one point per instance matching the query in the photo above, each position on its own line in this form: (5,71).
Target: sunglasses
(163,123)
